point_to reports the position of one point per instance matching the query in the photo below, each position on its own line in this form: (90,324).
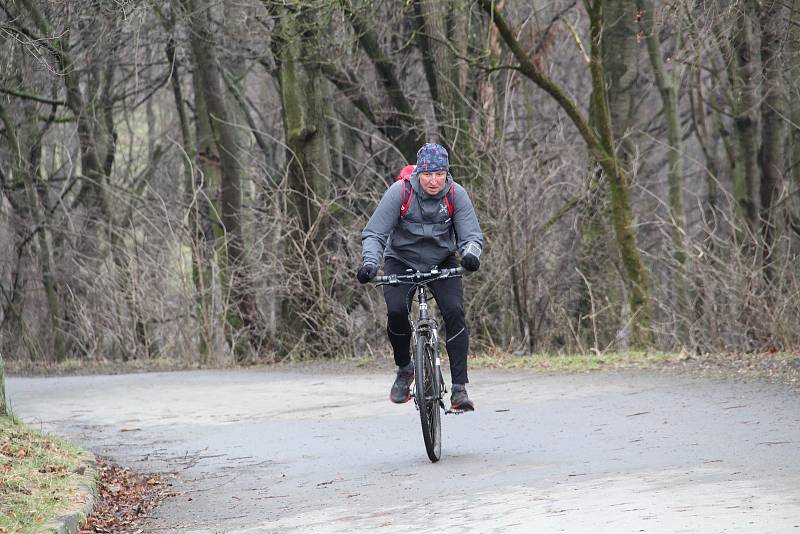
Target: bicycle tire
(427,393)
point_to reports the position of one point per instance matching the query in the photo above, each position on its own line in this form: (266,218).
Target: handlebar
(418,277)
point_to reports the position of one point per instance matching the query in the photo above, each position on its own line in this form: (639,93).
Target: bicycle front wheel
(427,392)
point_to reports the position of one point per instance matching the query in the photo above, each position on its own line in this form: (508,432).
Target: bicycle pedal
(456,411)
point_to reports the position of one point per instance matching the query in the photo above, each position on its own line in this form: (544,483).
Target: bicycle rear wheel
(427,393)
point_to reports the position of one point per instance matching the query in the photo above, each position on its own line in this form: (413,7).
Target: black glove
(470,262)
(367,272)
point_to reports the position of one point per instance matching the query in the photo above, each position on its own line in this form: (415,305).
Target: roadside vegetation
(191,179)
(39,477)
(574,363)
(775,367)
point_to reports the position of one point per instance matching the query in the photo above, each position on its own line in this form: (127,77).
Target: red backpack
(408,192)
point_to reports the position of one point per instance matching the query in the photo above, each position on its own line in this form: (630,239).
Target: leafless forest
(189,179)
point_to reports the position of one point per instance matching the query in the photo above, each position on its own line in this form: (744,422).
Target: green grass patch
(38,477)
(572,363)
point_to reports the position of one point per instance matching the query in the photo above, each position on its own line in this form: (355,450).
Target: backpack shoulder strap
(408,192)
(450,200)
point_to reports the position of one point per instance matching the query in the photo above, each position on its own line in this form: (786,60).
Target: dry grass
(38,477)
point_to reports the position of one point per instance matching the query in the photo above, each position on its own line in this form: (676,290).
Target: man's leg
(397,300)
(398,329)
(449,295)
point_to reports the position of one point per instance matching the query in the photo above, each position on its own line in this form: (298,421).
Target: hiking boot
(401,389)
(459,400)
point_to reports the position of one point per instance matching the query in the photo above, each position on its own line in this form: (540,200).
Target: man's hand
(367,272)
(470,262)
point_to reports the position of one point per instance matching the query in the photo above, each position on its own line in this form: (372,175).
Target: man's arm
(468,231)
(381,224)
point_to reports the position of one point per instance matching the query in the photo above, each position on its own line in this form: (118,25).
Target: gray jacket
(425,236)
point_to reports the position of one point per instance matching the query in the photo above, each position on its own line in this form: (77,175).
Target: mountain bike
(429,388)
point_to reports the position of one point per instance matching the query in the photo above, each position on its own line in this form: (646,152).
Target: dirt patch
(125,499)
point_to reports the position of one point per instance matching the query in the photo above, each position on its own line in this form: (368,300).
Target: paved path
(267,450)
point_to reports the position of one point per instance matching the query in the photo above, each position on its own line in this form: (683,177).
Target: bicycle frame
(429,387)
(429,327)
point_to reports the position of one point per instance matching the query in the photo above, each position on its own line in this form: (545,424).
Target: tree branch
(35,98)
(386,73)
(530,71)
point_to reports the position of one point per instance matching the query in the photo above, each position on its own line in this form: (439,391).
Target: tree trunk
(197,209)
(620,56)
(793,51)
(708,138)
(92,192)
(708,141)
(666,83)
(27,170)
(517,269)
(487,96)
(745,121)
(441,30)
(403,127)
(773,134)
(242,316)
(619,188)
(309,162)
(335,137)
(620,52)
(206,218)
(4,410)
(597,251)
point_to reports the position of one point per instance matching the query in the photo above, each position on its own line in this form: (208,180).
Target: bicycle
(429,388)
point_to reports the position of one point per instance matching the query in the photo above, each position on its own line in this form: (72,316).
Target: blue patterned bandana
(432,158)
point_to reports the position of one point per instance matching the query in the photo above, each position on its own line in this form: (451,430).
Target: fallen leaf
(125,497)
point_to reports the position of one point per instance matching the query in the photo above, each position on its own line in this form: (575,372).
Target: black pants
(449,294)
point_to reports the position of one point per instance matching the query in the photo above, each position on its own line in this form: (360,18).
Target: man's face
(432,182)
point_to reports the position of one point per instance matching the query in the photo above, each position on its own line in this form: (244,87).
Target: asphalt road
(267,450)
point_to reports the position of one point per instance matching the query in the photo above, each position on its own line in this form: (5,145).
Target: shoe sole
(402,401)
(465,408)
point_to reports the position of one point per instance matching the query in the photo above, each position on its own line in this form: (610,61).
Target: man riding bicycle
(421,223)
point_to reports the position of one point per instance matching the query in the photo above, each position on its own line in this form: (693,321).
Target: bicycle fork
(433,341)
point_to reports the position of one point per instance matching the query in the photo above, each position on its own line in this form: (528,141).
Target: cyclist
(437,221)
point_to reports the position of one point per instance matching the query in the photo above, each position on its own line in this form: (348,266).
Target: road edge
(84,499)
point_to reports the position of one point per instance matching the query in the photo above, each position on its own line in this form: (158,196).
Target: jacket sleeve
(381,225)
(468,231)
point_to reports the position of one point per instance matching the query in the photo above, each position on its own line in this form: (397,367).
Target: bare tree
(600,143)
(667,82)
(243,315)
(742,71)
(773,21)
